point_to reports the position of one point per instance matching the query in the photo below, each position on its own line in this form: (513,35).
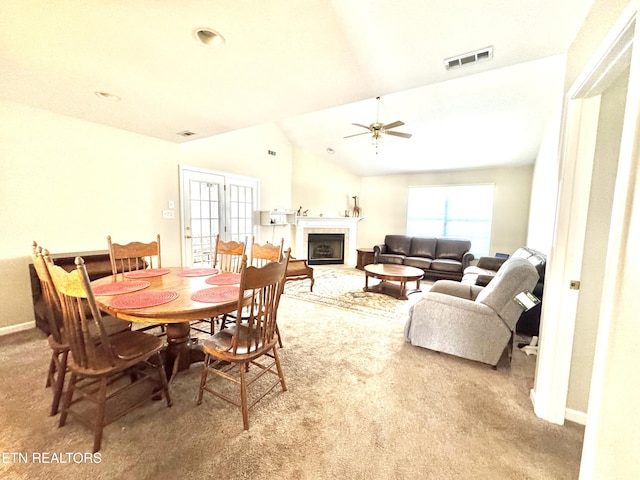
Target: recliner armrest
(483,280)
(456,289)
(490,263)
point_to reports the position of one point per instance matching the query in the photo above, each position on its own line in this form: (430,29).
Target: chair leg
(99,421)
(67,399)
(279,336)
(243,397)
(59,384)
(52,369)
(163,378)
(276,357)
(203,378)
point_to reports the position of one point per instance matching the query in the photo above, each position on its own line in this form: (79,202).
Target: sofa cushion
(423,247)
(452,249)
(391,258)
(446,265)
(420,262)
(398,244)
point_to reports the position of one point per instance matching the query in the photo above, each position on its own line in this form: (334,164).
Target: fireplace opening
(325,249)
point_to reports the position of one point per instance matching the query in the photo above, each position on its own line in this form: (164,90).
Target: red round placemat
(147,272)
(116,288)
(216,294)
(224,278)
(144,299)
(198,272)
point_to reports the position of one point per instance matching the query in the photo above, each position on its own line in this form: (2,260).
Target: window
(459,211)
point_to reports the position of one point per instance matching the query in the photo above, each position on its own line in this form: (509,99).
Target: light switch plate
(171,204)
(168,214)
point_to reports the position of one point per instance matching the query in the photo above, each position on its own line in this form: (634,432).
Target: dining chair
(227,257)
(53,310)
(260,256)
(263,254)
(251,340)
(136,256)
(101,366)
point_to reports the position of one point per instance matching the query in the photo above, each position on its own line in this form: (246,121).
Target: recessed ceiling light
(107,96)
(330,151)
(209,37)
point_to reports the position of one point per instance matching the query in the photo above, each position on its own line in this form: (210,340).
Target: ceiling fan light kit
(378,130)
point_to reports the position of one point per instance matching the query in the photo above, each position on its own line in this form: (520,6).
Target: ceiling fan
(379,130)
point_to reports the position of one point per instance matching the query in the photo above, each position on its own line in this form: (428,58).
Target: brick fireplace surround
(346,225)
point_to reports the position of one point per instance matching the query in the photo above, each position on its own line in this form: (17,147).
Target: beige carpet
(361,404)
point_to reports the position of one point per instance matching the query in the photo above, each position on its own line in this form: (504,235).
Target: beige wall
(245,152)
(68,184)
(322,187)
(384,203)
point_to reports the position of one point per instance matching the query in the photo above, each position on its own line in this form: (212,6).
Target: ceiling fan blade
(360,125)
(393,125)
(399,134)
(356,134)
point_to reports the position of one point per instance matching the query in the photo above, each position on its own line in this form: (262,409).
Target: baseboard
(532,397)
(16,328)
(575,416)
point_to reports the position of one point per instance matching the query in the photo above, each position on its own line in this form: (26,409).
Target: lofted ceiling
(312,67)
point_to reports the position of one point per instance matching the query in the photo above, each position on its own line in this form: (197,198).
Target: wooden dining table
(123,296)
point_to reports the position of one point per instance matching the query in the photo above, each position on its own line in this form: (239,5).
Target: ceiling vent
(467,58)
(186,133)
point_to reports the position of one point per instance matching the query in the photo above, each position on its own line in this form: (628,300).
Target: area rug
(342,287)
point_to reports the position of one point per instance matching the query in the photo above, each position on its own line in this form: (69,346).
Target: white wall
(595,244)
(384,203)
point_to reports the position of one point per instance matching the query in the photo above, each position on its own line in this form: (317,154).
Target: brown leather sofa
(438,257)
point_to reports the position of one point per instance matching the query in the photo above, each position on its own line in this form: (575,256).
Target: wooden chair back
(228,255)
(49,293)
(134,255)
(263,254)
(85,332)
(258,327)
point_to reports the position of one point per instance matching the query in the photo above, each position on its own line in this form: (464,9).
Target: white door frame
(576,157)
(225,179)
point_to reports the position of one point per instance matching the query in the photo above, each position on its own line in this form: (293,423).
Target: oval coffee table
(387,273)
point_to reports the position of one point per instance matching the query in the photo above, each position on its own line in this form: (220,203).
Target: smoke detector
(467,58)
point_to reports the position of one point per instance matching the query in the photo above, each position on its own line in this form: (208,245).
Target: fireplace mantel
(346,225)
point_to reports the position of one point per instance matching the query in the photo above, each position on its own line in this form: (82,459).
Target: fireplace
(325,249)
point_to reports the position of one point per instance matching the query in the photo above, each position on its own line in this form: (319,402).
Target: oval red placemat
(216,294)
(116,288)
(224,278)
(147,272)
(144,299)
(198,272)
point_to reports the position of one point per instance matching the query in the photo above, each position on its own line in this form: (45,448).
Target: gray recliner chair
(469,321)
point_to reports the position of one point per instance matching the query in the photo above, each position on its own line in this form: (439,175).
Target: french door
(214,203)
